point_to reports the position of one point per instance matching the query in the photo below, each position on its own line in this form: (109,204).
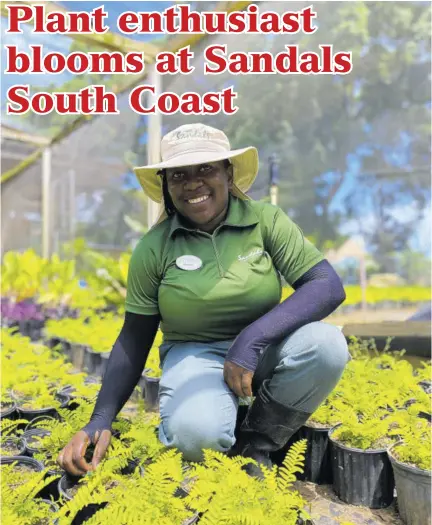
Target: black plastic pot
(151,393)
(101,369)
(77,355)
(22,460)
(9,412)
(51,491)
(29,415)
(32,328)
(33,423)
(142,382)
(18,442)
(65,483)
(66,349)
(317,464)
(413,487)
(92,361)
(361,477)
(52,342)
(28,439)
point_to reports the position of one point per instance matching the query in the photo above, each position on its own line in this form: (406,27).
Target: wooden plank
(412,336)
(389,329)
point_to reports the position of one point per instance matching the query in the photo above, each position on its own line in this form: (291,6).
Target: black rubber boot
(266,428)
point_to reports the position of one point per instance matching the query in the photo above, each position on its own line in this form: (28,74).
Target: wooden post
(274,194)
(46,197)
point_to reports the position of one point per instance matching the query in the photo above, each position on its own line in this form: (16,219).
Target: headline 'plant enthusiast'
(209,271)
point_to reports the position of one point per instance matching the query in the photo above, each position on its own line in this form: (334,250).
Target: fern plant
(19,486)
(416,436)
(225,494)
(371,432)
(132,499)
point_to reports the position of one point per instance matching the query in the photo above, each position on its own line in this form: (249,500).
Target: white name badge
(188,262)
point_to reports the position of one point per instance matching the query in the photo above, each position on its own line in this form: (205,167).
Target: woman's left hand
(239,379)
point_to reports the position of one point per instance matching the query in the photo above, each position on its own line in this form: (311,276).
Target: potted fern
(85,496)
(151,497)
(362,473)
(8,407)
(20,495)
(33,440)
(411,461)
(12,445)
(44,403)
(221,492)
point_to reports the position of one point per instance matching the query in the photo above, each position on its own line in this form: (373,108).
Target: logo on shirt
(249,255)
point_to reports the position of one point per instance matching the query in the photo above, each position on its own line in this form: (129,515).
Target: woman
(209,271)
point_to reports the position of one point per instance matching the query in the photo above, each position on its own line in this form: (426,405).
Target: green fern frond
(293,463)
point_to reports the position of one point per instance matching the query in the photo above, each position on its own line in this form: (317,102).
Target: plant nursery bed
(327,509)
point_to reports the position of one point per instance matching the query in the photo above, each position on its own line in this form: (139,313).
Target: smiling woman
(209,272)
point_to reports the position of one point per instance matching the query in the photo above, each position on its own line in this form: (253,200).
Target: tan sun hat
(193,144)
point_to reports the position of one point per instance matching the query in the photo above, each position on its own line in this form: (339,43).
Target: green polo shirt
(239,278)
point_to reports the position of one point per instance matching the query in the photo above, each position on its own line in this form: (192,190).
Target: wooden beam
(14,134)
(389,329)
(412,336)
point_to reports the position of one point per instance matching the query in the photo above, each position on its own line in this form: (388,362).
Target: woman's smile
(198,200)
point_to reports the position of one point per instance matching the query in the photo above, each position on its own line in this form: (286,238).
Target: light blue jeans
(198,410)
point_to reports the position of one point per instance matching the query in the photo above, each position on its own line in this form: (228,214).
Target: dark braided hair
(169,205)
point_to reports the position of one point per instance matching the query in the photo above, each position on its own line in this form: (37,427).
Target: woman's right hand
(72,459)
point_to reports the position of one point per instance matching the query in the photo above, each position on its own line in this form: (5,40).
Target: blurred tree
(414,267)
(325,129)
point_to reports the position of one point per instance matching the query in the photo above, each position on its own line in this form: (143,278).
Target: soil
(10,449)
(30,406)
(5,406)
(314,424)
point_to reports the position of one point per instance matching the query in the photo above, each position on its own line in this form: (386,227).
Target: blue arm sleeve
(317,294)
(124,369)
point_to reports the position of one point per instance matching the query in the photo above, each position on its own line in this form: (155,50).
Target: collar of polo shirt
(240,215)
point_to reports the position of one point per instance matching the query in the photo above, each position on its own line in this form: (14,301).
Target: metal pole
(154,140)
(46,197)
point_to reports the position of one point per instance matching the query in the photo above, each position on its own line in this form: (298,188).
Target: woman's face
(200,193)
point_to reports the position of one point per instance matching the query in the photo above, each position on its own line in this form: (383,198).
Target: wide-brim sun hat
(193,144)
